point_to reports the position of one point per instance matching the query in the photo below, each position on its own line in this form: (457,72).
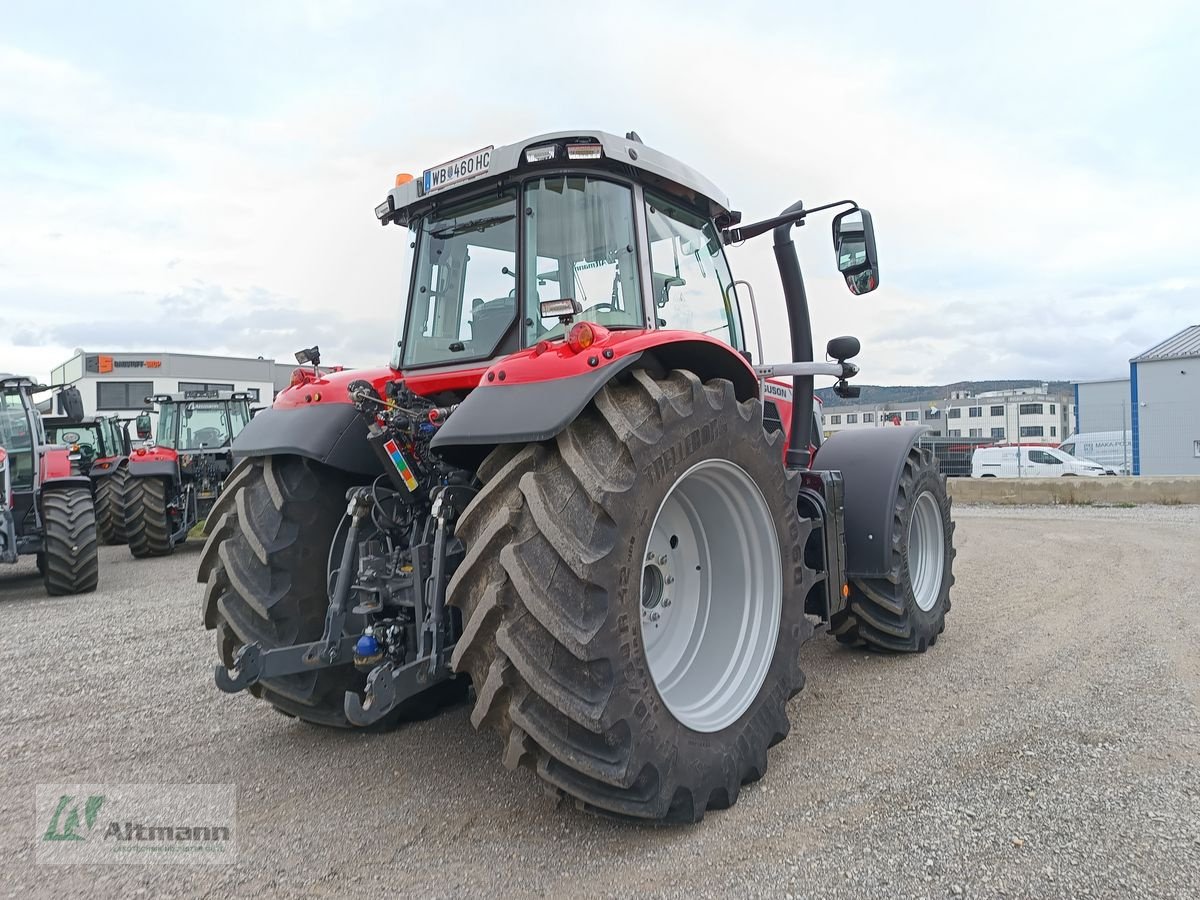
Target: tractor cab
(197,422)
(504,240)
(89,441)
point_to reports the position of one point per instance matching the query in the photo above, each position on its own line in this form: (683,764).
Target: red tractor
(48,508)
(574,487)
(175,478)
(102,447)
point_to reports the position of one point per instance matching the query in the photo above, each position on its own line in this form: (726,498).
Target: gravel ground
(1048,746)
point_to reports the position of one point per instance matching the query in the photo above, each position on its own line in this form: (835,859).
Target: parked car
(1029,462)
(1111,449)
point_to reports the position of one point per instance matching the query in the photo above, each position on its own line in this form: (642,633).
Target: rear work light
(544,153)
(567,306)
(584,151)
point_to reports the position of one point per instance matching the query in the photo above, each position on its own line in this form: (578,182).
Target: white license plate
(458,170)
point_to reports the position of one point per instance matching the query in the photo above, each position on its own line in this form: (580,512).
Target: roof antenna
(633,136)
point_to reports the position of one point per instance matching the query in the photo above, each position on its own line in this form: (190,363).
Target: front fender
(330,433)
(871,462)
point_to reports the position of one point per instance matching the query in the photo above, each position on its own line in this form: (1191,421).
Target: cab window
(1041,456)
(692,287)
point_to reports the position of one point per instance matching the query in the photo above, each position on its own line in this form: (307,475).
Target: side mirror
(142,425)
(255,410)
(70,403)
(854,243)
(843,348)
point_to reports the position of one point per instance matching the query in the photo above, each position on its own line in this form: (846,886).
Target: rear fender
(330,433)
(871,462)
(107,466)
(154,468)
(530,396)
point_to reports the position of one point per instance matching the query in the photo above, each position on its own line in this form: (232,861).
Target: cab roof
(627,155)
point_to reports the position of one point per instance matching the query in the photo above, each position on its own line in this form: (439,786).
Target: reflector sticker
(401,465)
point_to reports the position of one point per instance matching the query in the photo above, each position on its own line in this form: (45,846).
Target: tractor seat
(490,320)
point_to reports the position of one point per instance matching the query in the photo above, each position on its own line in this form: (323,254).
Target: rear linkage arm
(252,663)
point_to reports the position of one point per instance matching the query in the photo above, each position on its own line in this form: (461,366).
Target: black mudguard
(154,468)
(66,481)
(523,413)
(871,462)
(330,433)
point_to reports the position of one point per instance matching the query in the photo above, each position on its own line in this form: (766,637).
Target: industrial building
(1029,415)
(1102,405)
(118,383)
(1164,393)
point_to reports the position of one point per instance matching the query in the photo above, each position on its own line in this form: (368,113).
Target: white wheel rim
(926,551)
(711,595)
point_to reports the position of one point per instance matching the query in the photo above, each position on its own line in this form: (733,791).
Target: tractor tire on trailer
(905,610)
(146,518)
(264,568)
(559,597)
(110,517)
(69,562)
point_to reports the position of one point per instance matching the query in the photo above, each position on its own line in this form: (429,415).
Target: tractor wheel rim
(711,595)
(926,551)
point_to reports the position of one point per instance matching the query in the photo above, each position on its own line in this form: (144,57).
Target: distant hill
(884,394)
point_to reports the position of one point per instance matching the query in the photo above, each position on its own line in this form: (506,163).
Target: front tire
(69,560)
(557,604)
(905,610)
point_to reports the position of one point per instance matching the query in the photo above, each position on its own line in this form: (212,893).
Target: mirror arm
(793,216)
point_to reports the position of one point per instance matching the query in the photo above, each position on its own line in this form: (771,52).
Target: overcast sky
(201,177)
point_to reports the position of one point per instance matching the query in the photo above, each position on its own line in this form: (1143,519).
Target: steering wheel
(87,451)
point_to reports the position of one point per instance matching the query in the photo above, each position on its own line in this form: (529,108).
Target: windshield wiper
(467,227)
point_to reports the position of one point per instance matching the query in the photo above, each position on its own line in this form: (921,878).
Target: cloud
(1024,230)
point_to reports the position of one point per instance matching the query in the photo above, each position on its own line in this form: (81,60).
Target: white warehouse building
(118,383)
(1028,415)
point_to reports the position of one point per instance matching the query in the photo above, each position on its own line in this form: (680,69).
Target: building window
(852,419)
(997,410)
(975,432)
(1030,409)
(954,432)
(1051,409)
(868,417)
(1053,431)
(932,413)
(253,392)
(1196,449)
(204,386)
(1031,430)
(123,394)
(911,415)
(954,413)
(998,433)
(975,411)
(835,420)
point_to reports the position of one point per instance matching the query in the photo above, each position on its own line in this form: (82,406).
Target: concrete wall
(1168,417)
(1102,406)
(1087,491)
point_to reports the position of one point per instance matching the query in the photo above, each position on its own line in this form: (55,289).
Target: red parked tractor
(574,487)
(102,445)
(175,478)
(47,506)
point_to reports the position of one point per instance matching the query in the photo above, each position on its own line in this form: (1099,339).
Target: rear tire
(554,601)
(905,611)
(146,517)
(264,570)
(69,561)
(110,518)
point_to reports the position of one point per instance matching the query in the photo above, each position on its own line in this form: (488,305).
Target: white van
(1032,462)
(1111,449)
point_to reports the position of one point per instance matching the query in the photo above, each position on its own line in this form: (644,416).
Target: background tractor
(175,478)
(48,508)
(102,446)
(574,487)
